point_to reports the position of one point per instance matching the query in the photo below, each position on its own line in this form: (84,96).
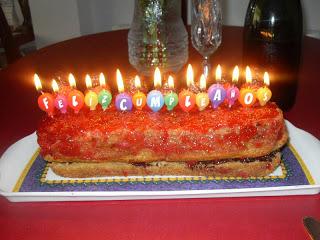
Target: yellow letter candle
(91,98)
(187,99)
(264,94)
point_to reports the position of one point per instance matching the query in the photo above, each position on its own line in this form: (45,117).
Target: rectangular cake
(223,142)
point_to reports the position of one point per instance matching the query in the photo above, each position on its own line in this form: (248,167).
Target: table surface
(226,218)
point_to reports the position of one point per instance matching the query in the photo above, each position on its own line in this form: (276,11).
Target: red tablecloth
(226,218)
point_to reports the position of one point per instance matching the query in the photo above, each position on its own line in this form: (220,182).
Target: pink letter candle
(233,91)
(123,100)
(60,101)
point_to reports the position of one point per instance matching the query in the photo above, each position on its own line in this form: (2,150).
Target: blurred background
(59,20)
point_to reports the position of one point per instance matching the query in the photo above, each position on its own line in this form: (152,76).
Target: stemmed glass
(206,29)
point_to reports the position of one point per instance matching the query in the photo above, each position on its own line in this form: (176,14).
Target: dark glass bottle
(272,42)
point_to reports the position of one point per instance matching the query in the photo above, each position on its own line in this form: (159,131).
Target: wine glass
(206,29)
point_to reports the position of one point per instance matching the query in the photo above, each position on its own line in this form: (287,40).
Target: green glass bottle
(272,42)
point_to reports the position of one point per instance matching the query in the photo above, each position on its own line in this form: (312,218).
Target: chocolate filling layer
(200,164)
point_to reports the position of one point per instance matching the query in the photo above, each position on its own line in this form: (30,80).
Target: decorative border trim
(302,164)
(25,171)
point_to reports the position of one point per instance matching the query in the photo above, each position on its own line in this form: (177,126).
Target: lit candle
(75,97)
(187,99)
(155,98)
(123,100)
(202,98)
(91,98)
(264,94)
(216,92)
(104,96)
(247,96)
(233,91)
(171,98)
(60,101)
(45,100)
(139,98)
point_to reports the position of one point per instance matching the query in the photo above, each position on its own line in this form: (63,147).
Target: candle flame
(72,80)
(266,79)
(54,85)
(120,81)
(190,78)
(203,82)
(88,81)
(157,78)
(218,73)
(248,75)
(235,74)
(137,82)
(102,80)
(37,82)
(170,82)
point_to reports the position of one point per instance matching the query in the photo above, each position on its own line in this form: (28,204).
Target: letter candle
(139,98)
(247,96)
(216,92)
(123,100)
(233,91)
(171,98)
(264,94)
(202,98)
(75,98)
(187,99)
(60,101)
(91,98)
(45,100)
(155,98)
(104,96)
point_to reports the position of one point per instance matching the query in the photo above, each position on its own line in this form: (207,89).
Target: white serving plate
(16,157)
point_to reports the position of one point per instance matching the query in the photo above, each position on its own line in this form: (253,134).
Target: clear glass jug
(157,37)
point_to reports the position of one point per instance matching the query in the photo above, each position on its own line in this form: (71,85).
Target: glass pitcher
(157,37)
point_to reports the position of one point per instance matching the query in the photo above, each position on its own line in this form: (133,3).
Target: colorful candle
(202,98)
(104,96)
(187,99)
(171,98)
(247,96)
(60,101)
(139,98)
(91,98)
(155,98)
(216,92)
(233,91)
(75,97)
(264,94)
(123,100)
(45,100)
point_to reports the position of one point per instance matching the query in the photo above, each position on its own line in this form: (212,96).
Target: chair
(12,40)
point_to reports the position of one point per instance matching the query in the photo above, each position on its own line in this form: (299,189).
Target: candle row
(155,99)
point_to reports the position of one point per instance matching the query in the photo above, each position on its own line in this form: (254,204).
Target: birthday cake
(236,136)
(223,142)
